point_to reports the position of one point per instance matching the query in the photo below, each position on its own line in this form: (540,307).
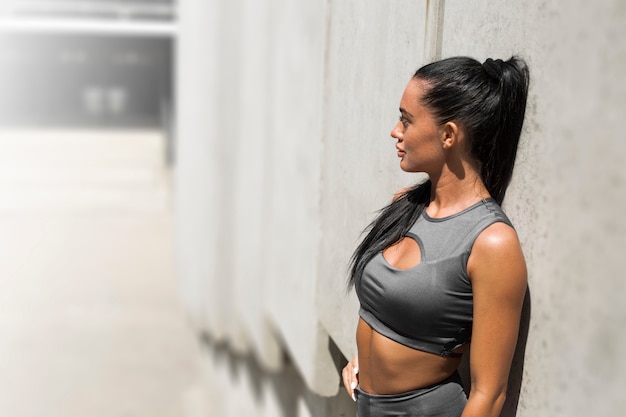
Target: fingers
(349,380)
(350,376)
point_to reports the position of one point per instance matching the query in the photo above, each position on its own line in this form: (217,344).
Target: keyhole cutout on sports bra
(405,254)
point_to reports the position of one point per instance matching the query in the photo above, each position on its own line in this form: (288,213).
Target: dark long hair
(489,101)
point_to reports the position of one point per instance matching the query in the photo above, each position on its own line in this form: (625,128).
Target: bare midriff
(388,367)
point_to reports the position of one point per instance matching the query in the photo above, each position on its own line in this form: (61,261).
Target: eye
(404,121)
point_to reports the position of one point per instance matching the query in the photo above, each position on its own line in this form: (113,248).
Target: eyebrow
(404,112)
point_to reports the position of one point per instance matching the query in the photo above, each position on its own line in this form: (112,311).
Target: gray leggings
(444,399)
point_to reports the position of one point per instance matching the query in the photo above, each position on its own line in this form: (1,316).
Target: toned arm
(498,273)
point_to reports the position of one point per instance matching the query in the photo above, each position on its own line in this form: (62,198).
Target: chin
(406,168)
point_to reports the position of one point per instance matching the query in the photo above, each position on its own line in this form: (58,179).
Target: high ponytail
(489,101)
(497,156)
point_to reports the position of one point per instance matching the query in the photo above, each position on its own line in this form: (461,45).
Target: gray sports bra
(428,307)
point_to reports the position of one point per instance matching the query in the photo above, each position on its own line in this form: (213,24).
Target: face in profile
(419,137)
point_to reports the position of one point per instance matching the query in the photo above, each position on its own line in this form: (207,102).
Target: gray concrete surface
(91,322)
(285,109)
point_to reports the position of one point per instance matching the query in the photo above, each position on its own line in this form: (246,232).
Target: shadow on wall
(254,391)
(517,366)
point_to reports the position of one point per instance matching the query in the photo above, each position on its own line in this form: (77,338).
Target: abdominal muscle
(388,367)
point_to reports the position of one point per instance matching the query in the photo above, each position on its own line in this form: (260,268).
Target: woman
(442,264)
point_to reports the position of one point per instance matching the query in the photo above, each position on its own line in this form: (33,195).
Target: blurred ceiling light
(113,17)
(85,26)
(112,8)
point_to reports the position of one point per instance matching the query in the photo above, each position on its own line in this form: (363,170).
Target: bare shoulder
(497,236)
(496,252)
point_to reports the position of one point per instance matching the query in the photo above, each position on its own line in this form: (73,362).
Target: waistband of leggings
(455,377)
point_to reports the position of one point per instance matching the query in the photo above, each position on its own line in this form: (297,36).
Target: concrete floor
(90,318)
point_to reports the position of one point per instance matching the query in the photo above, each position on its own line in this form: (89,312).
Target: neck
(451,193)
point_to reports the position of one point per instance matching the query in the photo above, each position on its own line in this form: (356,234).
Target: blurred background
(91,321)
(182,184)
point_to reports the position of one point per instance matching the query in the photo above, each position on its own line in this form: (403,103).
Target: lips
(401,152)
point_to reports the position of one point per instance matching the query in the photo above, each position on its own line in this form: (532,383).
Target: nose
(396,132)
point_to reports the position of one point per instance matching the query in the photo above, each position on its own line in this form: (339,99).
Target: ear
(450,135)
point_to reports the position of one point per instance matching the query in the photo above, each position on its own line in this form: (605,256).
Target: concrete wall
(284,155)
